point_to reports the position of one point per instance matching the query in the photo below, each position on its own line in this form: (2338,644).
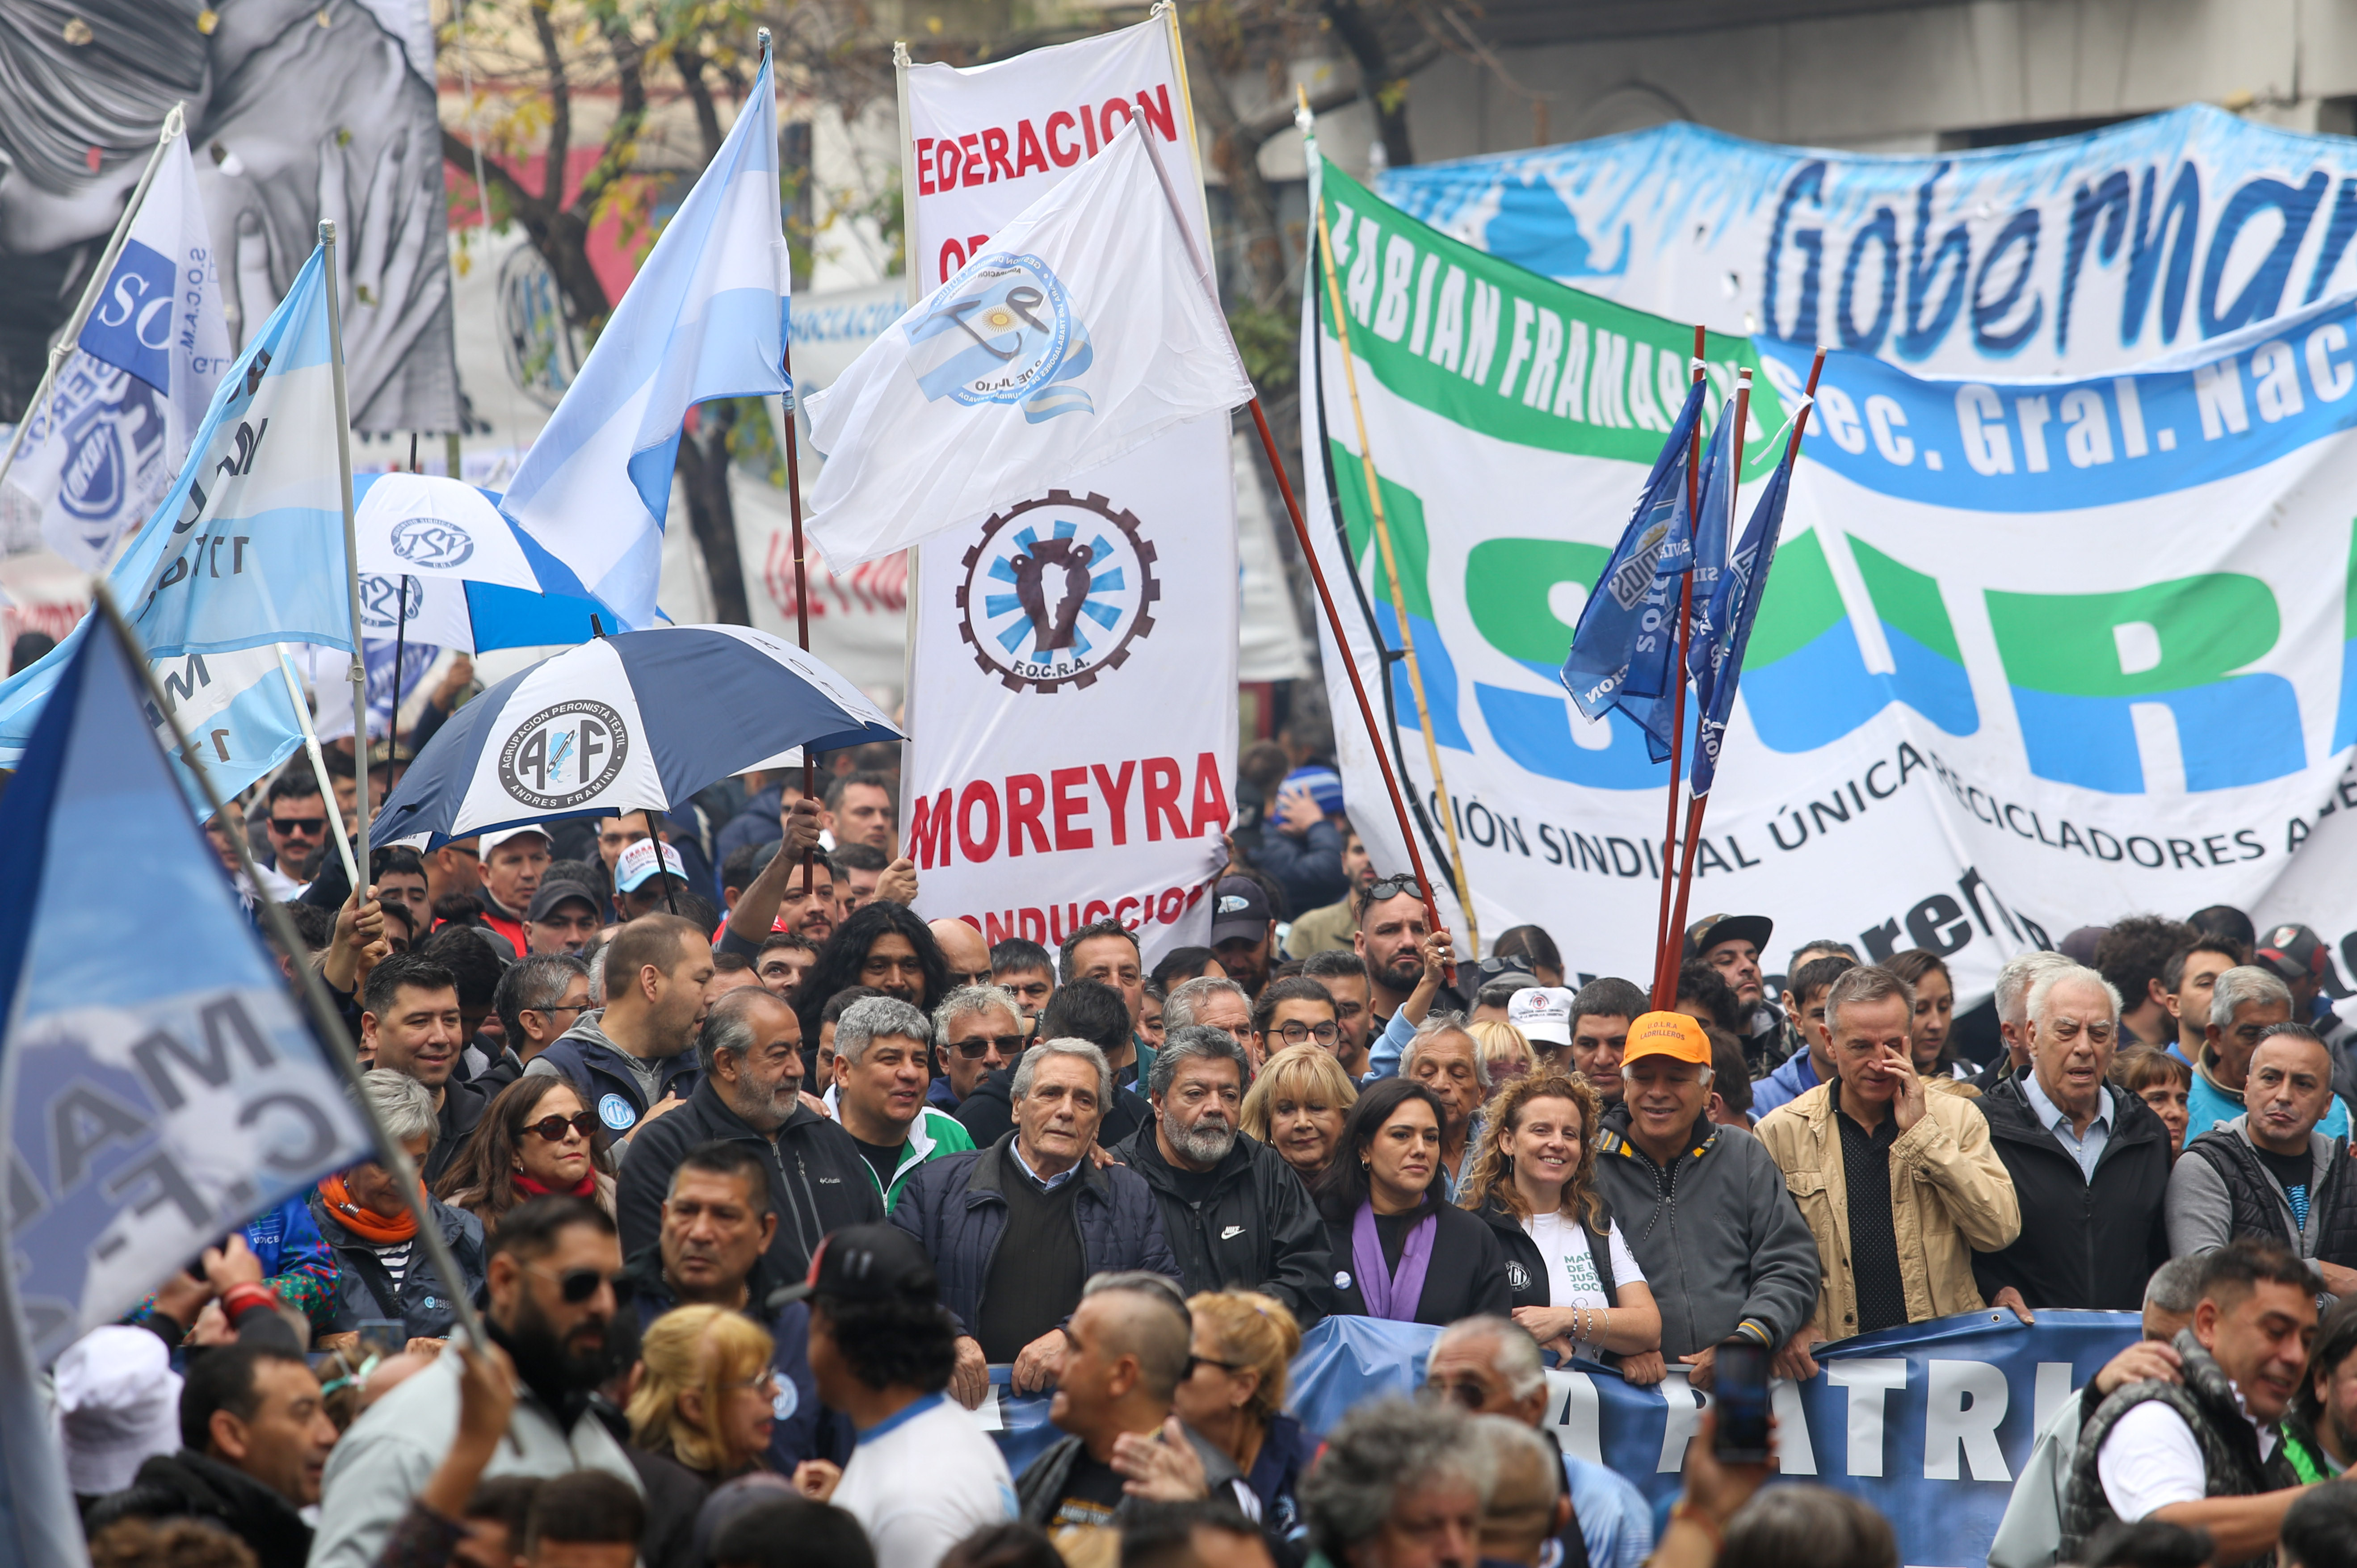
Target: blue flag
(1706,532)
(1627,636)
(245,552)
(150,1106)
(1735,606)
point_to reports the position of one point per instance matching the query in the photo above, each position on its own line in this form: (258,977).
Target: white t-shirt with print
(923,1481)
(1570,1269)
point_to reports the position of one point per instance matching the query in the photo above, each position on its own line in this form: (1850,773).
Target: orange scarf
(367,1223)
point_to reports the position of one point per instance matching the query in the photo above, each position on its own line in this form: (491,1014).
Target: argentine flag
(109,440)
(245,552)
(705,318)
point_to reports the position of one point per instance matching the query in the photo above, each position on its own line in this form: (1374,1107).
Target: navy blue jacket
(1309,867)
(956,1207)
(601,1069)
(365,1289)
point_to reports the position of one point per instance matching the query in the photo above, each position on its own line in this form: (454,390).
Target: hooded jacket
(956,1209)
(1950,1197)
(1718,1235)
(194,1485)
(588,1055)
(818,1183)
(2083,1243)
(424,1303)
(1255,1230)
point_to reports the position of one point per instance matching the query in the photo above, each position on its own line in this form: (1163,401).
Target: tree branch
(560,106)
(690,65)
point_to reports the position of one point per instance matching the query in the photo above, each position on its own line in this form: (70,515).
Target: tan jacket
(1949,1195)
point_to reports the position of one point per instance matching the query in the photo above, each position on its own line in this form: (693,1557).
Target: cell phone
(1739,1378)
(382,1336)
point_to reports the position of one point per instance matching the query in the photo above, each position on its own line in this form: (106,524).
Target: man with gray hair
(2012,1003)
(881,1048)
(2030,1535)
(749,1092)
(2089,1160)
(1400,1486)
(378,1274)
(1490,1366)
(1235,1214)
(537,999)
(1210,1003)
(1016,1230)
(976,1032)
(1443,1057)
(2244,1005)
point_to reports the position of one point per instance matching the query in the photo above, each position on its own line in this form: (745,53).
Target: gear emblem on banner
(1056,591)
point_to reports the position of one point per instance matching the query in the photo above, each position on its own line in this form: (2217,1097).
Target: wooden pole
(351,552)
(794,511)
(1696,807)
(1399,594)
(1665,960)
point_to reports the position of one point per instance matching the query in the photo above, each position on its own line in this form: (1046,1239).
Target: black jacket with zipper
(1527,1274)
(818,1181)
(2089,1244)
(1256,1228)
(1466,1277)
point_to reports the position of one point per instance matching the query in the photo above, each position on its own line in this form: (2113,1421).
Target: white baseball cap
(118,1405)
(492,841)
(1542,1013)
(638,864)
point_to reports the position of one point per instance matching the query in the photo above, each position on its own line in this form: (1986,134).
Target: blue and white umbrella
(635,722)
(472,578)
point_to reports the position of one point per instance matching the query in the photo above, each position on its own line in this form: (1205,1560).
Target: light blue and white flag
(151,1106)
(1083,330)
(106,445)
(705,318)
(245,552)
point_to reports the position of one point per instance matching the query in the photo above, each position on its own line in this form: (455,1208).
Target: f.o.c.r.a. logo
(563,755)
(1056,591)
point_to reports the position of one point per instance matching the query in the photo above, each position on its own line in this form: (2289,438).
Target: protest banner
(1097,786)
(2037,652)
(2067,255)
(1930,1422)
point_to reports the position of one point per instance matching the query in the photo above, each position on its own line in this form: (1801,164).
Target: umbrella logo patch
(1057,591)
(564,756)
(432,543)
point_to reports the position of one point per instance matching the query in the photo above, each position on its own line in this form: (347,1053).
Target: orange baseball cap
(1672,1035)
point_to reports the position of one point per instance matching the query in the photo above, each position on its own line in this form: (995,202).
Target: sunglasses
(974,1049)
(1295,1031)
(554,1128)
(577,1286)
(309,827)
(1391,887)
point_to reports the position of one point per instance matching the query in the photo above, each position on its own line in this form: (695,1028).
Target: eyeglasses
(1295,1031)
(309,827)
(1391,887)
(560,1007)
(1464,1393)
(577,1285)
(553,1128)
(974,1049)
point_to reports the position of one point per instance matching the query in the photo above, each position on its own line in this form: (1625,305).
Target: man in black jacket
(2089,1161)
(1235,1214)
(255,1442)
(750,1092)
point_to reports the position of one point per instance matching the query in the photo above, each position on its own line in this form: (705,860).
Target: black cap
(1712,929)
(551,894)
(866,1263)
(1239,911)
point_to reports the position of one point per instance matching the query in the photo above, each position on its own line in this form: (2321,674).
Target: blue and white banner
(150,1106)
(705,317)
(108,444)
(1930,1422)
(2067,256)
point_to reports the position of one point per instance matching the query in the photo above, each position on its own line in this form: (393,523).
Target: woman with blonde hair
(1234,1396)
(1575,1285)
(1295,1106)
(708,1397)
(1505,1050)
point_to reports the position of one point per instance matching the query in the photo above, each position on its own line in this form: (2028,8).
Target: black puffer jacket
(189,1484)
(818,1183)
(1256,1229)
(2083,1243)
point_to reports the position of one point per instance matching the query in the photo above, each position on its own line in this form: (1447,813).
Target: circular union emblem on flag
(563,755)
(1056,591)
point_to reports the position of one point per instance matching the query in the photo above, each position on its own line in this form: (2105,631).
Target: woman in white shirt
(1575,1285)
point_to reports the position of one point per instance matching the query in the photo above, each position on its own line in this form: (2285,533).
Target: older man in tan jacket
(1899,1186)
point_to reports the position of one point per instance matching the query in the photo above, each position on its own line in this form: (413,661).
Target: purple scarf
(1388,1295)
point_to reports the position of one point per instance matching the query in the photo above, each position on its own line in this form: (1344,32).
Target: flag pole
(351,547)
(1399,594)
(794,511)
(400,641)
(319,762)
(1665,967)
(325,1020)
(64,346)
(1695,808)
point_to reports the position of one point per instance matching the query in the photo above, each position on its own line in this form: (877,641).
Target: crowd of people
(762,1185)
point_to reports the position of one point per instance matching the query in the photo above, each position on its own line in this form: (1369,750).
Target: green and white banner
(2033,655)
